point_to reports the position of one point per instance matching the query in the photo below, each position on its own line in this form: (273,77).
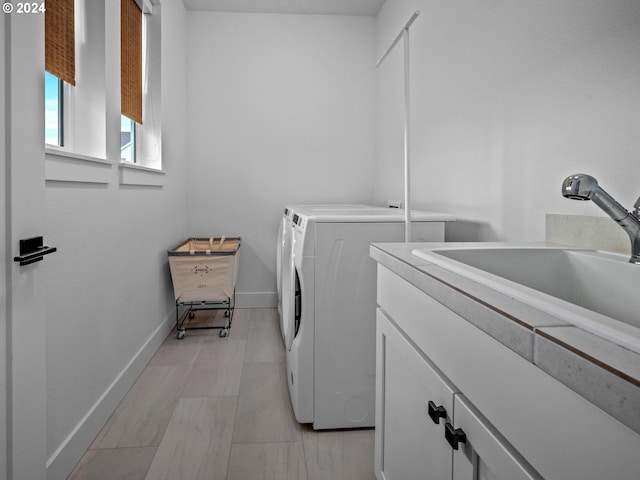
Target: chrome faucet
(585,187)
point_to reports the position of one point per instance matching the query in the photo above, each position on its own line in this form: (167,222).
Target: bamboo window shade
(59,46)
(131,60)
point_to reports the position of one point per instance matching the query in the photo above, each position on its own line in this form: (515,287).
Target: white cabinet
(519,422)
(425,428)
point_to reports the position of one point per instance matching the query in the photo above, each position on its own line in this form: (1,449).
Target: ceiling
(310,7)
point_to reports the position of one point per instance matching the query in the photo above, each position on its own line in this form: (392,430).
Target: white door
(411,444)
(23,200)
(3,269)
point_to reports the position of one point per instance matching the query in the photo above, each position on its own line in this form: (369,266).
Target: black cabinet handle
(454,435)
(436,412)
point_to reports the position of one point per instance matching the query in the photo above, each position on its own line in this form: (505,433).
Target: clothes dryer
(284,261)
(330,338)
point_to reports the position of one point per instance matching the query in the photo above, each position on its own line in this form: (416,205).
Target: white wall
(281,110)
(109,288)
(508,98)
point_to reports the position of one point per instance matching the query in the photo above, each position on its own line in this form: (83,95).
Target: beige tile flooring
(218,408)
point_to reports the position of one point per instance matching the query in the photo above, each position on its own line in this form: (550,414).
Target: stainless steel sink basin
(593,290)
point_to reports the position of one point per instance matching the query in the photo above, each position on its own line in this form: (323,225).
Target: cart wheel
(192,314)
(180,334)
(224,332)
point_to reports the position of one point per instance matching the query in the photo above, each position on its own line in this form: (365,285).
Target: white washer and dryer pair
(329,310)
(284,251)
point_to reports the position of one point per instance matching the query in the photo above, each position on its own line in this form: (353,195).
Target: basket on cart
(204,272)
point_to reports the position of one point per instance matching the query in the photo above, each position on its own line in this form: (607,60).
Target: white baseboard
(256,299)
(64,459)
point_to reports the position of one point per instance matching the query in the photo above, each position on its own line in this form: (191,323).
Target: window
(131,37)
(53,110)
(127,140)
(140,143)
(59,65)
(90,108)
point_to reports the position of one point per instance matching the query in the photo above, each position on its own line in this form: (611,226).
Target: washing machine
(284,253)
(330,331)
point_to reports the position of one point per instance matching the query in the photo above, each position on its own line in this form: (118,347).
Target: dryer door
(288,286)
(293,324)
(286,274)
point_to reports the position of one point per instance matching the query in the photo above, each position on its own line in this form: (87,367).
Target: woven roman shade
(131,60)
(59,35)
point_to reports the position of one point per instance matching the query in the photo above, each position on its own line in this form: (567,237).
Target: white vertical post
(404,34)
(407,145)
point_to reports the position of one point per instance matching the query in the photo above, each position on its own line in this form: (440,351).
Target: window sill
(135,175)
(62,166)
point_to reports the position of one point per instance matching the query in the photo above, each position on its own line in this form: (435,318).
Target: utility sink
(593,290)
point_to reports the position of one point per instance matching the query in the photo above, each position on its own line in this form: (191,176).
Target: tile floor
(218,408)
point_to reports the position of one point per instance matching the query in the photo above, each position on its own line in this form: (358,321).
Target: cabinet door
(485,455)
(409,444)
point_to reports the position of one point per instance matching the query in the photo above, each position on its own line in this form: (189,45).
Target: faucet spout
(585,187)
